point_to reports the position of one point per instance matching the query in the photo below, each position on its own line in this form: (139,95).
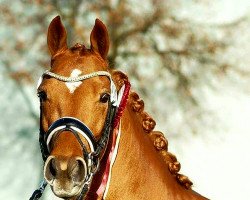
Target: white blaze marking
(72,86)
(64,165)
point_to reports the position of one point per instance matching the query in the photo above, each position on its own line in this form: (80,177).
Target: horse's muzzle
(65,175)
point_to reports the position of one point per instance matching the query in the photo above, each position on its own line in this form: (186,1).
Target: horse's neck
(139,172)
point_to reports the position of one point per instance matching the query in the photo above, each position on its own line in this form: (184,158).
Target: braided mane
(159,141)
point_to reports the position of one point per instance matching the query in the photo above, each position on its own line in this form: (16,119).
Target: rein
(116,106)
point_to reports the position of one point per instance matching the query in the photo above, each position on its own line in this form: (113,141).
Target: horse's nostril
(79,170)
(50,169)
(71,169)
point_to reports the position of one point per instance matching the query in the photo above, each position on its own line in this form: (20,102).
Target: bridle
(77,128)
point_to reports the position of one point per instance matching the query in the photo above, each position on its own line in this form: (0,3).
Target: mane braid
(158,140)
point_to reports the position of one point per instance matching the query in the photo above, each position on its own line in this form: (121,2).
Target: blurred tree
(167,58)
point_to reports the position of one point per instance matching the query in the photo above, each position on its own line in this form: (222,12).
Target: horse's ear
(99,39)
(57,37)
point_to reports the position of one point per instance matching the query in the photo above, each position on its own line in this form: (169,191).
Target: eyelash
(104,98)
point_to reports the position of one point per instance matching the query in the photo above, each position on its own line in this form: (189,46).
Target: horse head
(74,113)
(83,122)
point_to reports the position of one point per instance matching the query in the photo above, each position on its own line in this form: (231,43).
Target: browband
(78,78)
(113,95)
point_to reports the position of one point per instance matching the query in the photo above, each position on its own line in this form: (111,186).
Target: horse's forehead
(73,63)
(74,85)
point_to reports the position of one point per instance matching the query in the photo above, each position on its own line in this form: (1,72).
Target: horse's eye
(104,97)
(42,95)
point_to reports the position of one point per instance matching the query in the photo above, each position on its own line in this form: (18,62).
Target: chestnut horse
(98,143)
